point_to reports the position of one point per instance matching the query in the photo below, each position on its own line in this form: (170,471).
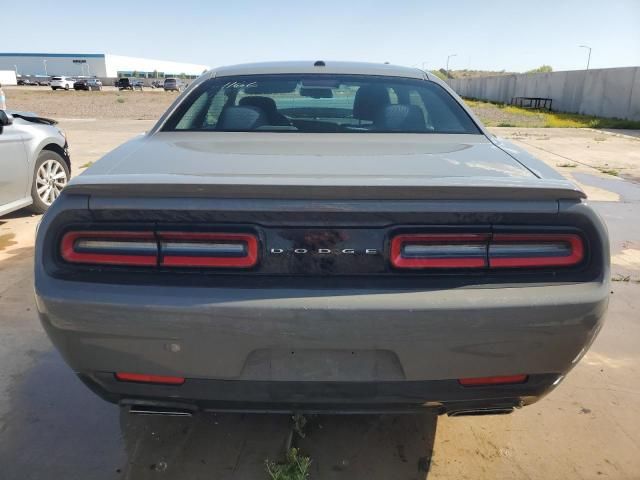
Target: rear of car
(173,84)
(81,84)
(321,241)
(124,84)
(88,84)
(64,83)
(130,84)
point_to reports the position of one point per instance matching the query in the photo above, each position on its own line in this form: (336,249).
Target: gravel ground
(498,116)
(151,103)
(109,103)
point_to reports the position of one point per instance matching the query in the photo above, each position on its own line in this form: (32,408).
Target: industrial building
(101,65)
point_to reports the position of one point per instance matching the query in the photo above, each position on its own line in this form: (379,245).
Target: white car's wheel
(50,177)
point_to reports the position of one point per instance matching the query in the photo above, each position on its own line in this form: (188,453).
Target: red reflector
(535,250)
(486,381)
(110,248)
(226,250)
(143,378)
(439,250)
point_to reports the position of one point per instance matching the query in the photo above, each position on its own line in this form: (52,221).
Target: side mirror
(5,119)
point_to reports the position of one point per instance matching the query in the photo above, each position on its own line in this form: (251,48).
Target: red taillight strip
(204,249)
(471,251)
(144,378)
(505,259)
(169,249)
(487,381)
(477,250)
(121,254)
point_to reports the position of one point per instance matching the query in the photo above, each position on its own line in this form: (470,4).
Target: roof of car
(320,66)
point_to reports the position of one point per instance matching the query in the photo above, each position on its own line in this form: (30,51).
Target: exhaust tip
(476,412)
(159,411)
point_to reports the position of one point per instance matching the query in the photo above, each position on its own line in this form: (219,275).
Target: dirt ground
(616,153)
(51,426)
(490,114)
(109,103)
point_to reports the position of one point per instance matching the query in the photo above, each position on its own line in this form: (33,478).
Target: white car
(34,162)
(65,83)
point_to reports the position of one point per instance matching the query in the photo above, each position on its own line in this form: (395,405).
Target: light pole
(423,65)
(589,57)
(44,62)
(452,55)
(15,67)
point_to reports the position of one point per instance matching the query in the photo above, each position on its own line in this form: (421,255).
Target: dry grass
(501,115)
(146,105)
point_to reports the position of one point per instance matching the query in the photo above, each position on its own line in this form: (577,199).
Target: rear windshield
(170,80)
(56,78)
(321,103)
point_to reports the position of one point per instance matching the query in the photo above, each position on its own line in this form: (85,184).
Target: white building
(102,65)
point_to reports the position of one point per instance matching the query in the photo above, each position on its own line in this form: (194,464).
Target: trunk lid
(319,166)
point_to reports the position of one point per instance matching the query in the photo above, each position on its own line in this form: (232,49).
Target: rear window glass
(321,103)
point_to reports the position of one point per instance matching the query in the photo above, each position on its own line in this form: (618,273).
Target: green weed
(296,467)
(609,171)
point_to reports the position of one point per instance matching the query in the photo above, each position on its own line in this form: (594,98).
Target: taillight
(110,248)
(228,250)
(492,251)
(439,250)
(535,250)
(167,249)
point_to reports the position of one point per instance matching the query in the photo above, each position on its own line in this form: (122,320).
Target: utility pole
(44,62)
(452,55)
(589,56)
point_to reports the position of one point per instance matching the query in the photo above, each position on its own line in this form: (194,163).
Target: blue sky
(512,35)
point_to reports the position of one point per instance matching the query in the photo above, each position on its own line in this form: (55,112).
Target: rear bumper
(442,396)
(267,346)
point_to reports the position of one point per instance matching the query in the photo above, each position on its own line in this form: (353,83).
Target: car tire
(50,176)
(54,88)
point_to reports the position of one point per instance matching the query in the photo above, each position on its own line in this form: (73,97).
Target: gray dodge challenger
(321,236)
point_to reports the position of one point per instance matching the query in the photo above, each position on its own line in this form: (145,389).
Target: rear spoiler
(334,188)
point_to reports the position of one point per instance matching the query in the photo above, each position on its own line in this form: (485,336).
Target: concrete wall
(607,92)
